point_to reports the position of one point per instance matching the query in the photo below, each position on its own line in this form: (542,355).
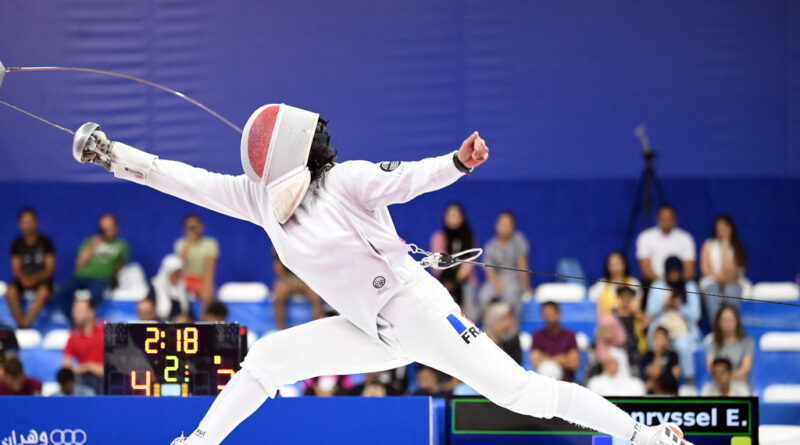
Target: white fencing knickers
(423,324)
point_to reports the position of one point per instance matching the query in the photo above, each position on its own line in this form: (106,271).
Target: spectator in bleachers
(85,345)
(609,334)
(9,347)
(656,244)
(508,248)
(604,295)
(285,285)
(723,261)
(199,254)
(428,382)
(659,360)
(665,385)
(630,314)
(67,386)
(727,340)
(678,310)
(16,383)
(454,237)
(554,346)
(376,384)
(616,378)
(722,383)
(169,291)
(501,325)
(327,386)
(216,312)
(100,257)
(33,261)
(146,310)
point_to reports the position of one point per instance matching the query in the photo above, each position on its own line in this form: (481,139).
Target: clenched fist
(473,151)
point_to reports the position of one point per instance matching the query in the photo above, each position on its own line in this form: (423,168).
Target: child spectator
(728,340)
(659,360)
(68,387)
(722,383)
(508,248)
(666,385)
(502,326)
(16,383)
(555,347)
(146,310)
(99,259)
(285,285)
(33,261)
(85,346)
(170,292)
(454,237)
(609,334)
(616,378)
(678,310)
(428,382)
(216,312)
(633,319)
(199,254)
(723,262)
(605,294)
(656,244)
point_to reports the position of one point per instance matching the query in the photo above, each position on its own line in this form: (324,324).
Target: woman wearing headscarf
(169,291)
(455,236)
(616,378)
(609,334)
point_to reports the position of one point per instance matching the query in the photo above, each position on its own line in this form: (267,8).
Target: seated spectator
(508,248)
(287,284)
(454,237)
(666,385)
(16,383)
(633,319)
(605,294)
(67,385)
(502,326)
(169,291)
(616,378)
(8,344)
(428,382)
(609,334)
(85,346)
(146,310)
(727,340)
(376,384)
(555,347)
(33,261)
(199,254)
(678,310)
(327,386)
(723,261)
(216,312)
(659,360)
(722,383)
(656,244)
(99,259)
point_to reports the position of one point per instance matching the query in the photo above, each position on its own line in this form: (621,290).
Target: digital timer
(171,359)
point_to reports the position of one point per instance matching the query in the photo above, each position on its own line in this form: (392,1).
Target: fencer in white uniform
(330,225)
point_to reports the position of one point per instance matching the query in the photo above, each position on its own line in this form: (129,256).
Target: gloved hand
(90,144)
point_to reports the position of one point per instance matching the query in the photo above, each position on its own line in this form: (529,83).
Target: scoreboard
(171,359)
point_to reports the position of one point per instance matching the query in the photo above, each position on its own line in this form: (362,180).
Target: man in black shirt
(32,263)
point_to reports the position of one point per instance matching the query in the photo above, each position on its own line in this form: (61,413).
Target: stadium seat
(525,341)
(56,339)
(778,434)
(234,292)
(782,291)
(28,338)
(781,394)
(780,341)
(3,288)
(560,292)
(50,388)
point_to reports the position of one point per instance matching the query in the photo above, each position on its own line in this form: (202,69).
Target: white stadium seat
(781,394)
(560,292)
(233,292)
(525,341)
(778,435)
(784,291)
(583,341)
(56,339)
(780,341)
(3,288)
(50,388)
(28,338)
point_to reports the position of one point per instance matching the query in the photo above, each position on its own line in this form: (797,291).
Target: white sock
(241,397)
(584,407)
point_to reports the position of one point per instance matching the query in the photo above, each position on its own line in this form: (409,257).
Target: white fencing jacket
(341,240)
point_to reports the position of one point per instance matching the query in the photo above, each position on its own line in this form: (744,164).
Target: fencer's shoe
(179,440)
(668,434)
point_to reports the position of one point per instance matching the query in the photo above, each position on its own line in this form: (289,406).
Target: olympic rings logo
(67,437)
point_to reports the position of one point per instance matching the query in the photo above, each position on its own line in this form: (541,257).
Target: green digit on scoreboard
(171,368)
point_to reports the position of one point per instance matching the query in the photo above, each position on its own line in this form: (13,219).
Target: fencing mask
(275,145)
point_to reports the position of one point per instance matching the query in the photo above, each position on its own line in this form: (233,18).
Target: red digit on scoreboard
(141,386)
(225,371)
